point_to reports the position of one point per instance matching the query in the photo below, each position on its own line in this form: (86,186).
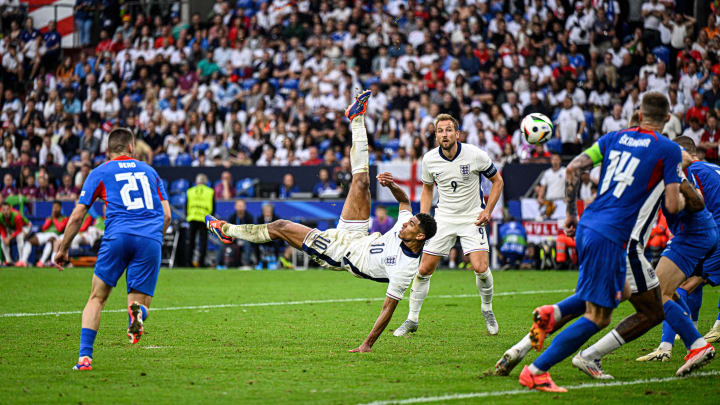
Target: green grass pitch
(296,351)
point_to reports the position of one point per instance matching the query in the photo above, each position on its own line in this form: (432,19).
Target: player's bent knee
(361,179)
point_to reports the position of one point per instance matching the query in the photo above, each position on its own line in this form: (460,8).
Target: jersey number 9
(454,185)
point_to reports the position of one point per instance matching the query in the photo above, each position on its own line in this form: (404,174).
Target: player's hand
(570,225)
(385,179)
(483,218)
(61,259)
(362,349)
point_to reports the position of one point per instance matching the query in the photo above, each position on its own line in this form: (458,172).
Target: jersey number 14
(131,185)
(620,170)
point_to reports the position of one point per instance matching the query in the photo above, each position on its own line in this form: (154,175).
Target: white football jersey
(387,259)
(458,180)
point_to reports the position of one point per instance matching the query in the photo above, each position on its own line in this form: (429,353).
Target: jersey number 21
(131,185)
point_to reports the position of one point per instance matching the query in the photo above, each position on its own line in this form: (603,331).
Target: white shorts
(337,248)
(472,238)
(640,274)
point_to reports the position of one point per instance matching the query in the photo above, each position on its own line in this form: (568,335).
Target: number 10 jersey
(133,194)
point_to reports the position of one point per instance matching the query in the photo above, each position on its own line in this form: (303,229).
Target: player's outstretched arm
(386,180)
(72,228)
(497,187)
(578,165)
(382,322)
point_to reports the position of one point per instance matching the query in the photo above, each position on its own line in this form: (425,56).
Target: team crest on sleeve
(390,260)
(465,171)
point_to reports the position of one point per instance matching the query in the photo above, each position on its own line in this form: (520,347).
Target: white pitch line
(280,303)
(450,397)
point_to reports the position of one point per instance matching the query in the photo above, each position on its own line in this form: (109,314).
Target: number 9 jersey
(634,161)
(132,192)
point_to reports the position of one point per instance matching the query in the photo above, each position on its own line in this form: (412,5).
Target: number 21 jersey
(133,194)
(634,161)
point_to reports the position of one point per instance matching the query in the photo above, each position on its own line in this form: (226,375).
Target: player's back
(635,161)
(133,193)
(706,177)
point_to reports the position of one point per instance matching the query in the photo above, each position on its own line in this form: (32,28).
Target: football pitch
(283,337)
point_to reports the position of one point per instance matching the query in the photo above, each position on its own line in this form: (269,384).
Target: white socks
(418,292)
(523,346)
(248,232)
(26,250)
(604,346)
(6,253)
(717,324)
(557,313)
(665,346)
(484,283)
(46,252)
(359,157)
(699,343)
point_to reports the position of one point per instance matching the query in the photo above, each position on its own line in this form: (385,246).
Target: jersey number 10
(131,185)
(620,171)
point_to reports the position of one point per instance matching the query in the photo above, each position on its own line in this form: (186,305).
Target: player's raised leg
(91,322)
(356,209)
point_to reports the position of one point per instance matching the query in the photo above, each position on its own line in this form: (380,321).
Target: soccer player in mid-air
(461,213)
(390,258)
(634,161)
(138,214)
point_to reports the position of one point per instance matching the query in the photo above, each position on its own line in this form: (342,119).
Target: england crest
(465,171)
(390,261)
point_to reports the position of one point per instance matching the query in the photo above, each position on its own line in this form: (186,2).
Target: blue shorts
(711,268)
(140,255)
(689,250)
(602,268)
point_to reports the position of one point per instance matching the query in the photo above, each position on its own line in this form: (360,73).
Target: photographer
(579,25)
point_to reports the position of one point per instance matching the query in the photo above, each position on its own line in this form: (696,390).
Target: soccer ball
(536,128)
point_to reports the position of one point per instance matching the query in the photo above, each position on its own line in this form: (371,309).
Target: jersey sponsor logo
(390,260)
(635,143)
(465,171)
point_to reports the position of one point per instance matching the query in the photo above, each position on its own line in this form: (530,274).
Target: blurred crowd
(266,83)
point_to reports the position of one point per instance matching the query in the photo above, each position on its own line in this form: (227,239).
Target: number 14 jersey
(634,161)
(133,194)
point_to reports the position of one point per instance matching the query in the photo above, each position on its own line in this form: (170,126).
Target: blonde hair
(446,117)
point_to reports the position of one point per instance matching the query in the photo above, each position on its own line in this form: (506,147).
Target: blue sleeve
(603,142)
(160,184)
(92,188)
(671,163)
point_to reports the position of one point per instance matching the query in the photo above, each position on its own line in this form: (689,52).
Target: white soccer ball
(536,128)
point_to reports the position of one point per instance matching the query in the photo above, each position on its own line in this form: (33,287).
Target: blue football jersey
(706,177)
(634,161)
(133,194)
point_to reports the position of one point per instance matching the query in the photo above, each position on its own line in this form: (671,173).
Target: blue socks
(571,305)
(87,339)
(681,323)
(566,343)
(694,301)
(668,333)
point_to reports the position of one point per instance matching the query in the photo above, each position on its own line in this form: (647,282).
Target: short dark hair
(655,107)
(634,119)
(427,225)
(57,202)
(119,139)
(687,143)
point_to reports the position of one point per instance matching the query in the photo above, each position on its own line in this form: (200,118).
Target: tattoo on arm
(581,163)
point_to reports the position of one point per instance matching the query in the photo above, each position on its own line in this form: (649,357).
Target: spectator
(325,186)
(313,158)
(381,222)
(200,202)
(225,189)
(8,186)
(29,190)
(48,148)
(83,15)
(67,191)
(13,226)
(694,131)
(570,125)
(614,121)
(552,185)
(45,190)
(288,187)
